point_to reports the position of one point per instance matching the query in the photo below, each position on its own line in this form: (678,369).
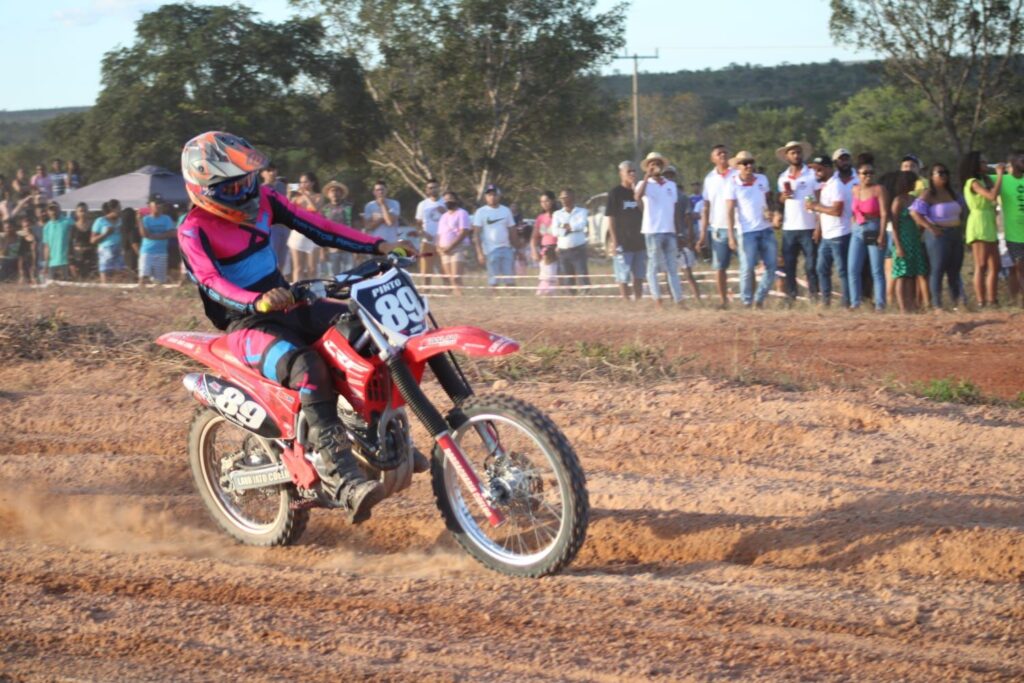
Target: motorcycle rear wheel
(259,517)
(536,483)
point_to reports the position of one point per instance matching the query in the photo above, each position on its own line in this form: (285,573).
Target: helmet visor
(235,190)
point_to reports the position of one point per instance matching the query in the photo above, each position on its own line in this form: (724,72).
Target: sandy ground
(775,509)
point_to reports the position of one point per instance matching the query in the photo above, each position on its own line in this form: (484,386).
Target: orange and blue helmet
(222,175)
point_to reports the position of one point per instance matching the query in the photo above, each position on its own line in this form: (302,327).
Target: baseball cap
(820,160)
(491,187)
(840,152)
(911,157)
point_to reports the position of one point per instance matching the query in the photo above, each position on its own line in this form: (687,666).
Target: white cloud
(101,9)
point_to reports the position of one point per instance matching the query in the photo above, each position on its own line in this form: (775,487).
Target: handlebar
(308,291)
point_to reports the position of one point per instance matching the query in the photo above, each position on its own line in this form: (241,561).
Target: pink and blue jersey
(234,264)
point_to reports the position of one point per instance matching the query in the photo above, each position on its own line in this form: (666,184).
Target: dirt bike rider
(225,245)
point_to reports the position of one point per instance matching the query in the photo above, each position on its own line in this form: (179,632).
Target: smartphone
(293,187)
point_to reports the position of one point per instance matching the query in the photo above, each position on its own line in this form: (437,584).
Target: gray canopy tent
(131,189)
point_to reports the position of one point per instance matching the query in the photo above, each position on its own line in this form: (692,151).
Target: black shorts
(1016,251)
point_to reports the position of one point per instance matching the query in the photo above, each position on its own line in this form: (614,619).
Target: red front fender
(470,340)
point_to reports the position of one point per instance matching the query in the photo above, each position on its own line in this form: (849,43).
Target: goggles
(235,190)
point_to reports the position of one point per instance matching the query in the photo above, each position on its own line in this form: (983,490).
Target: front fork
(429,415)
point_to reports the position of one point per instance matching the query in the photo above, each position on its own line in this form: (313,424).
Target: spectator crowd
(866,237)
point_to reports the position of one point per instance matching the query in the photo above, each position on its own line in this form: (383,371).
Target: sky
(62,42)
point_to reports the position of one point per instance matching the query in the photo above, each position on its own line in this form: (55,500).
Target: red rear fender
(470,340)
(193,344)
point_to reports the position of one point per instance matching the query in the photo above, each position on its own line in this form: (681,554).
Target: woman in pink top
(870,213)
(544,244)
(452,230)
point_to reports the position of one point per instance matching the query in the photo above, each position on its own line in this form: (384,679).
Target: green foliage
(950,390)
(958,55)
(889,122)
(815,87)
(195,68)
(479,91)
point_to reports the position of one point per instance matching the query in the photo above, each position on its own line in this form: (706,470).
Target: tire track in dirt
(737,532)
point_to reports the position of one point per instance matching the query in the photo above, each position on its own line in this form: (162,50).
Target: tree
(888,123)
(762,131)
(195,68)
(959,54)
(481,91)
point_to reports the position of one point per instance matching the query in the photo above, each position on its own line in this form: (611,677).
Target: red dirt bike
(506,480)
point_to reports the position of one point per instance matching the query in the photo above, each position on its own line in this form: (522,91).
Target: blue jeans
(794,242)
(661,253)
(859,248)
(720,251)
(572,263)
(945,257)
(500,264)
(831,251)
(755,246)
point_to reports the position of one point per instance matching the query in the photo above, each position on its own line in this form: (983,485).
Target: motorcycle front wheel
(260,517)
(530,473)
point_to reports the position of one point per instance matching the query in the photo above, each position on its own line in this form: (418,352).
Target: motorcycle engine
(385,444)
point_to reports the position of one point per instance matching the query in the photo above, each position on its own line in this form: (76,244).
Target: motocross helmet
(222,175)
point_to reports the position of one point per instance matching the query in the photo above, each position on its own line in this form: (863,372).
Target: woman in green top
(908,262)
(980,195)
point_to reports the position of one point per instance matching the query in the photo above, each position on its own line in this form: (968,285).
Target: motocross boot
(343,480)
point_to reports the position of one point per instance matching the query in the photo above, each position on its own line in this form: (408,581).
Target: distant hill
(36,115)
(26,126)
(811,86)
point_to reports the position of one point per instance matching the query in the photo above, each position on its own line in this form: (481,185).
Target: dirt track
(816,527)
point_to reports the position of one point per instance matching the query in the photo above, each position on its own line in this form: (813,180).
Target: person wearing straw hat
(658,226)
(747,198)
(796,184)
(714,220)
(337,210)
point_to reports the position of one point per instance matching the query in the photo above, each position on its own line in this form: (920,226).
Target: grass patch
(950,390)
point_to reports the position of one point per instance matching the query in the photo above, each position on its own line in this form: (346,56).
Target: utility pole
(636,99)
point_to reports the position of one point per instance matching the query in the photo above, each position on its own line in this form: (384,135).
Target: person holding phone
(658,196)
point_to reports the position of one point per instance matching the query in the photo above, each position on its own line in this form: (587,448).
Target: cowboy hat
(741,156)
(804,146)
(652,157)
(335,183)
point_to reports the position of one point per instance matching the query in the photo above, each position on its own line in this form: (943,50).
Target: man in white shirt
(492,234)
(380,217)
(714,218)
(796,184)
(658,226)
(570,225)
(747,200)
(834,230)
(428,213)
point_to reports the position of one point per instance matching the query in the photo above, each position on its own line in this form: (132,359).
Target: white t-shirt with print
(659,200)
(715,186)
(493,225)
(795,214)
(429,211)
(750,202)
(832,192)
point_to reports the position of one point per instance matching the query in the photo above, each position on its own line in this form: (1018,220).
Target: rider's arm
(317,228)
(203,269)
